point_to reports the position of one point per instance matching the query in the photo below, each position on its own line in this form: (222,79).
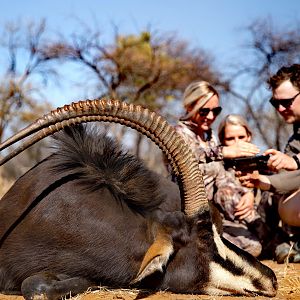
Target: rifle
(248,164)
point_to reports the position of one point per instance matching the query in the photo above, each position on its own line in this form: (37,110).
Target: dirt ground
(288,276)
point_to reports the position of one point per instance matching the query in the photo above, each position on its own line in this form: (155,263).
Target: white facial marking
(219,244)
(237,260)
(224,282)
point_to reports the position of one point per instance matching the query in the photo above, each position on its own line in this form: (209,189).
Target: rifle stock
(248,164)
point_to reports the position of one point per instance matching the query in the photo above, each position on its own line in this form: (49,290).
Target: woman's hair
(200,91)
(291,73)
(232,119)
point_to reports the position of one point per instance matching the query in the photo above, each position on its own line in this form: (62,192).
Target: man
(285,86)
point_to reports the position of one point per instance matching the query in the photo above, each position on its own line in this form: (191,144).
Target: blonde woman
(201,103)
(234,129)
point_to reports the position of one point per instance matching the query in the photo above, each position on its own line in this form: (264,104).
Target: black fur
(99,161)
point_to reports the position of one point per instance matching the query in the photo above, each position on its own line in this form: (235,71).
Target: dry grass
(105,293)
(289,279)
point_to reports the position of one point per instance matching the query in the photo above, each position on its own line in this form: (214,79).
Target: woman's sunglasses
(286,103)
(203,112)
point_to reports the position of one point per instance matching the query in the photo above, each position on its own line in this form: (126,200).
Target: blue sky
(212,25)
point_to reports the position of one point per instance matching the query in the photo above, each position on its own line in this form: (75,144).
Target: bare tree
(25,71)
(147,68)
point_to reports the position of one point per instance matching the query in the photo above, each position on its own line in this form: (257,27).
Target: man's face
(286,90)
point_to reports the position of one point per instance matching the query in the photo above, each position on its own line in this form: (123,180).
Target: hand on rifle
(279,161)
(254,179)
(245,206)
(240,149)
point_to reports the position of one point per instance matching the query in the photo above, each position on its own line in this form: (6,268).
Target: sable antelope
(91,214)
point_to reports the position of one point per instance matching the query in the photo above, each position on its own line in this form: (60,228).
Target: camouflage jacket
(209,155)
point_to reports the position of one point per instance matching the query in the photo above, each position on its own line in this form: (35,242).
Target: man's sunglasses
(203,112)
(286,103)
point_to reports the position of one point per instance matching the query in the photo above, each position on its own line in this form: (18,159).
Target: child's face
(235,133)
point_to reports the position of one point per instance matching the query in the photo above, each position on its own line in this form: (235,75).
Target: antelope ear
(156,256)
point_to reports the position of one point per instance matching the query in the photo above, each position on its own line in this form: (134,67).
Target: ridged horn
(148,123)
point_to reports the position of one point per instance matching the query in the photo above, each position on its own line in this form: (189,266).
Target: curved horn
(148,123)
